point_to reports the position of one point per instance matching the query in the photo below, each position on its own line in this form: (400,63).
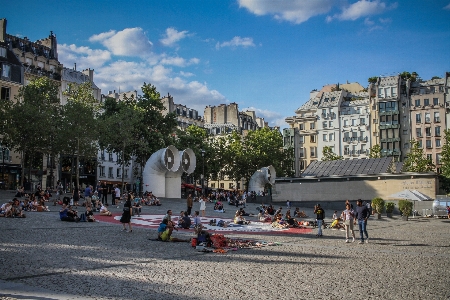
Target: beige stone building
(185,116)
(226,118)
(428,110)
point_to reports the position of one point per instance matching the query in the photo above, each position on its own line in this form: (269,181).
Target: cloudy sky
(266,55)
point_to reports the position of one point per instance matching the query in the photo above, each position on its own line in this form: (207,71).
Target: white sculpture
(173,178)
(154,174)
(260,178)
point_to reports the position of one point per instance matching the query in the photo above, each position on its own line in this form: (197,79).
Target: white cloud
(179,61)
(368,22)
(186,74)
(273,118)
(447,7)
(361,9)
(128,42)
(294,11)
(237,41)
(84,57)
(172,36)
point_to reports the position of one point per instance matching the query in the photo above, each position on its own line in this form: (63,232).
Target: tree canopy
(328,154)
(416,161)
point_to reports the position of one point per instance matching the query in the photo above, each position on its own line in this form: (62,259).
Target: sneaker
(346,241)
(361,242)
(367,240)
(353,240)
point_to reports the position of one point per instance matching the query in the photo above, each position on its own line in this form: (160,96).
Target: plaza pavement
(44,258)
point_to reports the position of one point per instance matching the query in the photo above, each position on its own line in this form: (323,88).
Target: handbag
(347,222)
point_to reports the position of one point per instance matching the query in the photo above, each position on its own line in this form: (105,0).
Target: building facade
(185,116)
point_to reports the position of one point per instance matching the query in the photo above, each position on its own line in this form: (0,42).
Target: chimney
(2,30)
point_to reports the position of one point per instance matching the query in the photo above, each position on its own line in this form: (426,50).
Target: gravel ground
(44,258)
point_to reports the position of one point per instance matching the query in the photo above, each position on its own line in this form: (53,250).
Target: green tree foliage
(375,151)
(373,79)
(328,154)
(444,177)
(411,76)
(79,124)
(30,121)
(416,160)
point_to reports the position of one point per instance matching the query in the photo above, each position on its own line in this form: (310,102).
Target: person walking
(320,215)
(362,214)
(348,215)
(190,203)
(76,196)
(126,214)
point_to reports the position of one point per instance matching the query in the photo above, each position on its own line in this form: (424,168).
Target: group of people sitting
(167,226)
(12,209)
(150,199)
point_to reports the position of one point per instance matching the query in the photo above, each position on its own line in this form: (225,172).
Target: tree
(416,161)
(445,163)
(375,151)
(411,76)
(80,124)
(29,122)
(328,154)
(373,79)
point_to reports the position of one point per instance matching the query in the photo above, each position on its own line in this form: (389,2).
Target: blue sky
(265,55)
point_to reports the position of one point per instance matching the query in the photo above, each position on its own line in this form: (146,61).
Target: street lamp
(203,172)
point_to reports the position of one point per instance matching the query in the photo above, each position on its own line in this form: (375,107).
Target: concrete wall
(340,189)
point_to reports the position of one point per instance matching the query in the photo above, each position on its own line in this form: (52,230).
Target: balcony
(363,139)
(389,113)
(389,126)
(427,120)
(346,139)
(397,139)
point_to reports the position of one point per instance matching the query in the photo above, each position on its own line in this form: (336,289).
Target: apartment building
(354,119)
(185,116)
(304,125)
(428,115)
(74,77)
(225,119)
(391,116)
(328,121)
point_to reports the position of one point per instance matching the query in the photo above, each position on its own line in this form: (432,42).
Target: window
(438,158)
(346,150)
(5,93)
(428,143)
(428,131)
(362,121)
(110,156)
(324,113)
(438,143)
(426,102)
(222,185)
(430,157)
(41,65)
(417,102)
(437,131)
(302,164)
(325,137)
(102,171)
(427,118)
(119,174)
(213,185)
(436,117)
(110,172)
(418,118)
(313,139)
(330,124)
(230,185)
(324,124)
(420,143)
(6,71)
(353,122)
(312,151)
(2,52)
(345,123)
(302,139)
(419,132)
(331,137)
(311,126)
(301,152)
(126,173)
(301,126)
(435,101)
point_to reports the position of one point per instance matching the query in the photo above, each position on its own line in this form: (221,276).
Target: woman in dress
(126,215)
(348,216)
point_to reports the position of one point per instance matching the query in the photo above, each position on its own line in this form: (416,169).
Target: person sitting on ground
(290,220)
(20,192)
(278,222)
(219,207)
(64,214)
(104,210)
(168,216)
(239,219)
(186,221)
(137,208)
(73,213)
(197,219)
(16,209)
(165,232)
(270,210)
(299,214)
(89,215)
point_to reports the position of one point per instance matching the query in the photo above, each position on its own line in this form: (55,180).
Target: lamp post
(203,172)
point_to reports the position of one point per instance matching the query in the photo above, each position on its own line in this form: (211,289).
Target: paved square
(44,258)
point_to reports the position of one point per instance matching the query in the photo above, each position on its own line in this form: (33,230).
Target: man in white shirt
(117,195)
